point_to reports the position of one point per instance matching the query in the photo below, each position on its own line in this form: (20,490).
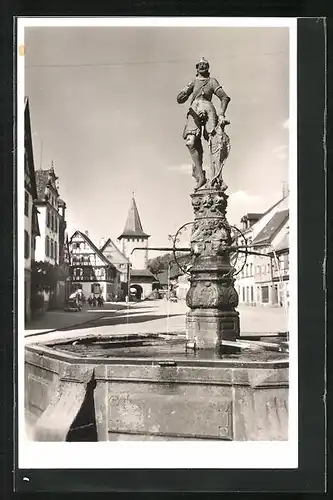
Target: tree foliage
(160,263)
(44,276)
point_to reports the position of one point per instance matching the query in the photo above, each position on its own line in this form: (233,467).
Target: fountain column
(212,298)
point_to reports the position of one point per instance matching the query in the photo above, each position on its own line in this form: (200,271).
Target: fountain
(205,384)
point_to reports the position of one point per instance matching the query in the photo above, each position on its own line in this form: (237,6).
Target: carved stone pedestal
(206,327)
(212,297)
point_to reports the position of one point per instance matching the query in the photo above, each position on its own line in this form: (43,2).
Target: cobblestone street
(143,317)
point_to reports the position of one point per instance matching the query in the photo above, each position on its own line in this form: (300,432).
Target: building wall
(28,229)
(108,278)
(244,284)
(138,259)
(40,243)
(147,288)
(28,252)
(121,263)
(272,273)
(50,231)
(27,294)
(255,284)
(108,290)
(183,286)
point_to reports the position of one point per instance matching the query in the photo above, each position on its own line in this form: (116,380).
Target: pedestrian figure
(100,301)
(90,301)
(94,301)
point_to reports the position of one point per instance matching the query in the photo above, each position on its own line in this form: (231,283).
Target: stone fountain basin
(148,387)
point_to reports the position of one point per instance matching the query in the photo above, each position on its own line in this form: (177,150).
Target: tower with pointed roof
(133,236)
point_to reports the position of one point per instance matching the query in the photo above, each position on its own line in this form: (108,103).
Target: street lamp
(128,280)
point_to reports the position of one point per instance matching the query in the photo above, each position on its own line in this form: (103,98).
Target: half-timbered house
(90,270)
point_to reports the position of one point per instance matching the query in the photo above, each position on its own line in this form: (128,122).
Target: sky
(103,109)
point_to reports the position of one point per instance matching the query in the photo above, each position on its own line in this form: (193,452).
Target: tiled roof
(42,180)
(109,241)
(61,203)
(252,216)
(133,226)
(275,205)
(268,232)
(284,244)
(144,273)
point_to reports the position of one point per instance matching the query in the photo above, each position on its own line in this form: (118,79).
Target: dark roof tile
(133,226)
(268,232)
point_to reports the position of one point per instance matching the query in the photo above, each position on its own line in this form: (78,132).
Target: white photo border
(164,455)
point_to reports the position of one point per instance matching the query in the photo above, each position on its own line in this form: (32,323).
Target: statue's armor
(202,112)
(201,118)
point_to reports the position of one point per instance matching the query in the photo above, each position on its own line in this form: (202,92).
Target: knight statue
(202,119)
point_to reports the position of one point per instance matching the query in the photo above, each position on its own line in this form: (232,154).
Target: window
(286,261)
(56,225)
(47,246)
(247,270)
(48,217)
(243,292)
(251,270)
(257,269)
(26,203)
(26,245)
(264,294)
(252,294)
(51,248)
(55,250)
(96,288)
(78,273)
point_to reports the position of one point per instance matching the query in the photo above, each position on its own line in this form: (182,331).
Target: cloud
(242,197)
(182,169)
(285,124)
(242,202)
(281,152)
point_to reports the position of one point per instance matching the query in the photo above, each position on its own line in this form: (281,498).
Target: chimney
(101,243)
(86,233)
(285,189)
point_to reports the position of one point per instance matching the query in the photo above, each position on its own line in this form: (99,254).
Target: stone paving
(153,317)
(58,319)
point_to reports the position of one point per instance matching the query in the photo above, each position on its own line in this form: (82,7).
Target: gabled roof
(61,203)
(93,246)
(110,242)
(275,205)
(251,216)
(42,181)
(133,226)
(268,232)
(144,273)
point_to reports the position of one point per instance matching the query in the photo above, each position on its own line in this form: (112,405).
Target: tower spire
(133,226)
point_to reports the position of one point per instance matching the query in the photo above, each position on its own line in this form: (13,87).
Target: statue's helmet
(202,61)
